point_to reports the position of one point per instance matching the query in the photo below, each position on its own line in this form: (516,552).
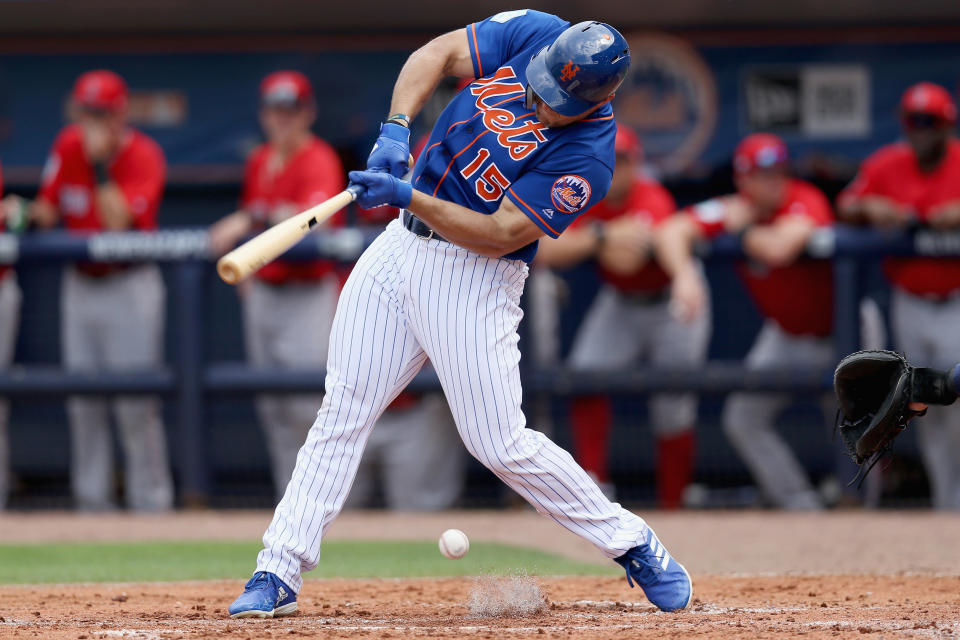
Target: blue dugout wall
(833,103)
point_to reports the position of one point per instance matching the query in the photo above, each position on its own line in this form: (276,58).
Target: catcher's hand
(878,393)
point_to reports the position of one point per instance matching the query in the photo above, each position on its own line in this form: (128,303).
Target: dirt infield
(756,574)
(597,608)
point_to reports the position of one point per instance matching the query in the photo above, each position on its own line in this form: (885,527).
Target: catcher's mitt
(874,390)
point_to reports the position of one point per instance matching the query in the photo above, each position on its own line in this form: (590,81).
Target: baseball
(454,544)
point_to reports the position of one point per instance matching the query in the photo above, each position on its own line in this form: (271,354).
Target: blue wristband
(395,131)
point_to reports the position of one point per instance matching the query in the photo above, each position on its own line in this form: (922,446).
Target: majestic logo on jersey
(570,193)
(568,71)
(518,135)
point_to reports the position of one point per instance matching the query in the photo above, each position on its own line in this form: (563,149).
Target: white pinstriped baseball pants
(409,298)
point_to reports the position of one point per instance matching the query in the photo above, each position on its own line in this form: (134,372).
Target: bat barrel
(272,243)
(258,251)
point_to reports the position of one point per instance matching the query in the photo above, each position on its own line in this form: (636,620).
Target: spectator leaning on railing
(774,215)
(287,307)
(909,183)
(102,175)
(630,321)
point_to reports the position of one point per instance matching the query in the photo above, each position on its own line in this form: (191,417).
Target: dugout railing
(189,381)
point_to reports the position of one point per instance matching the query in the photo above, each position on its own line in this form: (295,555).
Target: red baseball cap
(101,90)
(627,142)
(286,89)
(929,99)
(759,151)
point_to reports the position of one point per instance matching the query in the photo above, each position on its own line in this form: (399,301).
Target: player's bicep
(459,63)
(322,179)
(50,179)
(453,50)
(516,227)
(142,189)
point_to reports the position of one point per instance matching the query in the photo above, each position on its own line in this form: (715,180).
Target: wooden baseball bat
(267,246)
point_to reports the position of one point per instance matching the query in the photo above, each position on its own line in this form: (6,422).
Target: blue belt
(413,224)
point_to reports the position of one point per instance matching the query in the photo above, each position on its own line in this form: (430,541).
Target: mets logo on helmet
(570,193)
(568,71)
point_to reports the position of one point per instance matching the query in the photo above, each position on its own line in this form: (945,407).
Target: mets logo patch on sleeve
(570,193)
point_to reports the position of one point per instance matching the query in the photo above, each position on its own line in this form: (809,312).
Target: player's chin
(549,117)
(556,121)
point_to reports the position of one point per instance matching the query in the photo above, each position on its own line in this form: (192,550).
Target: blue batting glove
(391,152)
(380,189)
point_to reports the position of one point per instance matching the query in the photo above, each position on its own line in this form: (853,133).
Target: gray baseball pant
(115,323)
(748,418)
(9,322)
(619,331)
(288,326)
(928,333)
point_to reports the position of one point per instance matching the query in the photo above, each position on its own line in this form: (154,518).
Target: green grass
(172,561)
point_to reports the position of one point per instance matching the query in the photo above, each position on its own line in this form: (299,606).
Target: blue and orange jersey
(487,145)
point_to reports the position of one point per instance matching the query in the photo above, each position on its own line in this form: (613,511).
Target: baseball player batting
(516,155)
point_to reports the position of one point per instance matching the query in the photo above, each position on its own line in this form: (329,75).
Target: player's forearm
(113,208)
(870,209)
(43,214)
(850,210)
(573,247)
(775,246)
(226,232)
(484,234)
(446,55)
(673,244)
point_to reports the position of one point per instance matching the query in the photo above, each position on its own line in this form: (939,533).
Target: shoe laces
(640,562)
(257,578)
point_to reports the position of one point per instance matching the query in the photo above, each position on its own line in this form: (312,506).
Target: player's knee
(671,420)
(738,418)
(137,413)
(502,456)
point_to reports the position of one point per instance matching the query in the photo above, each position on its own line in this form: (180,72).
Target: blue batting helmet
(584,65)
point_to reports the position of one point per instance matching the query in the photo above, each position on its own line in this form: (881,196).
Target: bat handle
(356,189)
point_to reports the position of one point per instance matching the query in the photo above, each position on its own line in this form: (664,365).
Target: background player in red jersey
(102,175)
(774,216)
(918,182)
(9,323)
(286,301)
(630,320)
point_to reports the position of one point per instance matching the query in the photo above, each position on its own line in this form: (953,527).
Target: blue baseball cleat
(264,596)
(664,580)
